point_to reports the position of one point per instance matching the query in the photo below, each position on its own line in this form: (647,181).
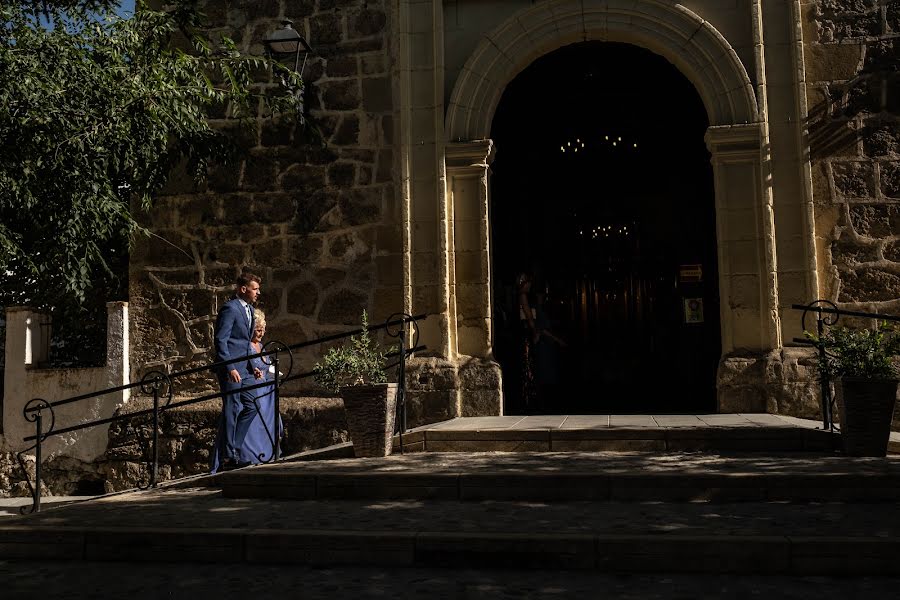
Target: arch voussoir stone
(693,45)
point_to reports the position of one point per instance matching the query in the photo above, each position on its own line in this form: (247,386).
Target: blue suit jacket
(232,337)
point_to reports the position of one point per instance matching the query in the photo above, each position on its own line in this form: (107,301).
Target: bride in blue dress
(258,444)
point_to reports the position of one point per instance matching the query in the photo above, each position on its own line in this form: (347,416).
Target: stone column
(467,186)
(432,377)
(470,285)
(118,370)
(419,72)
(748,282)
(747,277)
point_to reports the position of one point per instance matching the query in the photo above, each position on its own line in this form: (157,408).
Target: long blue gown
(257,445)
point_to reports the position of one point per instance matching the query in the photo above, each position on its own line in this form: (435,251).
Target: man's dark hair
(245,278)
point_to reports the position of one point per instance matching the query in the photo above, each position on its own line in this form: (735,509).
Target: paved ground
(204,508)
(10,506)
(198,507)
(794,463)
(134,581)
(176,507)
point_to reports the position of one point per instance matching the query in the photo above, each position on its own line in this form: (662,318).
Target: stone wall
(855,150)
(854,146)
(186,436)
(318,221)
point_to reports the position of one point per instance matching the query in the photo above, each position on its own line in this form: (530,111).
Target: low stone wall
(783,382)
(186,436)
(780,382)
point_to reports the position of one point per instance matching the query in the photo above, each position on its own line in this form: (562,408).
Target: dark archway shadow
(602,187)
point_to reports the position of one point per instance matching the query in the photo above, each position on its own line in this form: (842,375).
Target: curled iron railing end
(278,346)
(35,406)
(828,319)
(154,381)
(404,318)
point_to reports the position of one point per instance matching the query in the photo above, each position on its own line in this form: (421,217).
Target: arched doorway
(602,188)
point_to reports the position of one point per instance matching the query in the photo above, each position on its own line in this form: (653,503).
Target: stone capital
(735,141)
(471,154)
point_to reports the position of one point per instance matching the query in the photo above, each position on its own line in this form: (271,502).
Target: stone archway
(694,46)
(744,218)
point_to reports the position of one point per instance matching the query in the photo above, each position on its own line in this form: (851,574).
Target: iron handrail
(153,383)
(222,363)
(213,396)
(824,308)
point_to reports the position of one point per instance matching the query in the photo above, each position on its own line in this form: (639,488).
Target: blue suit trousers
(238,412)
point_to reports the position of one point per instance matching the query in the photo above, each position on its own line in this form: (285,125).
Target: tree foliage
(95,111)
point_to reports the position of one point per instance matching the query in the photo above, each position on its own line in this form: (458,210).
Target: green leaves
(94,114)
(359,362)
(864,353)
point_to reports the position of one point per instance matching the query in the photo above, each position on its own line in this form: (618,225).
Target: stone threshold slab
(668,552)
(628,439)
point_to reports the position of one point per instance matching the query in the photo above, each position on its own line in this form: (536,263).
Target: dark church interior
(602,190)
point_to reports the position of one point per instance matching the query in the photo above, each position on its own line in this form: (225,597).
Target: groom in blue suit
(234,329)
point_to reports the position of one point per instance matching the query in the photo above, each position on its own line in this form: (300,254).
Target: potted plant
(860,362)
(356,370)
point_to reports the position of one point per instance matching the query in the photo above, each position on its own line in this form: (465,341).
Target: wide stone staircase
(778,500)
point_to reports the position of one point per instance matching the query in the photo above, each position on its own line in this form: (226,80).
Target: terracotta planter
(371,411)
(866,408)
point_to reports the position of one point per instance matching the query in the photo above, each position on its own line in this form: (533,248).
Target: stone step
(566,477)
(621,433)
(13,506)
(202,526)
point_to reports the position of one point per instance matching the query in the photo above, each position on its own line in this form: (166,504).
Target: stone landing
(629,433)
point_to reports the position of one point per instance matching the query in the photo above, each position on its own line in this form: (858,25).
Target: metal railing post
(276,415)
(825,384)
(154,469)
(33,413)
(401,335)
(39,433)
(402,381)
(401,386)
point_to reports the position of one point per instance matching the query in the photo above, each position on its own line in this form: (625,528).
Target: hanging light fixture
(285,42)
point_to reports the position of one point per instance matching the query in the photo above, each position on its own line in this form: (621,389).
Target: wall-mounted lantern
(286,42)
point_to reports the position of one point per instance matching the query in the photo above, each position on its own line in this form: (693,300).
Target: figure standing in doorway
(546,353)
(528,337)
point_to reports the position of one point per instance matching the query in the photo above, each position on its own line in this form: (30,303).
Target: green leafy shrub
(358,362)
(863,353)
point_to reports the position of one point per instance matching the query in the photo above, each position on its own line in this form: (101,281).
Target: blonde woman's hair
(259,316)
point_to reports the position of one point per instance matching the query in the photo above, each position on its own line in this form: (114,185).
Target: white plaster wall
(23,381)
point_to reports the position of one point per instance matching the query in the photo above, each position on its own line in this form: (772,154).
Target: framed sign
(690,273)
(693,310)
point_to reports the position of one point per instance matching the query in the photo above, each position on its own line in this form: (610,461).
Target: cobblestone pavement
(193,582)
